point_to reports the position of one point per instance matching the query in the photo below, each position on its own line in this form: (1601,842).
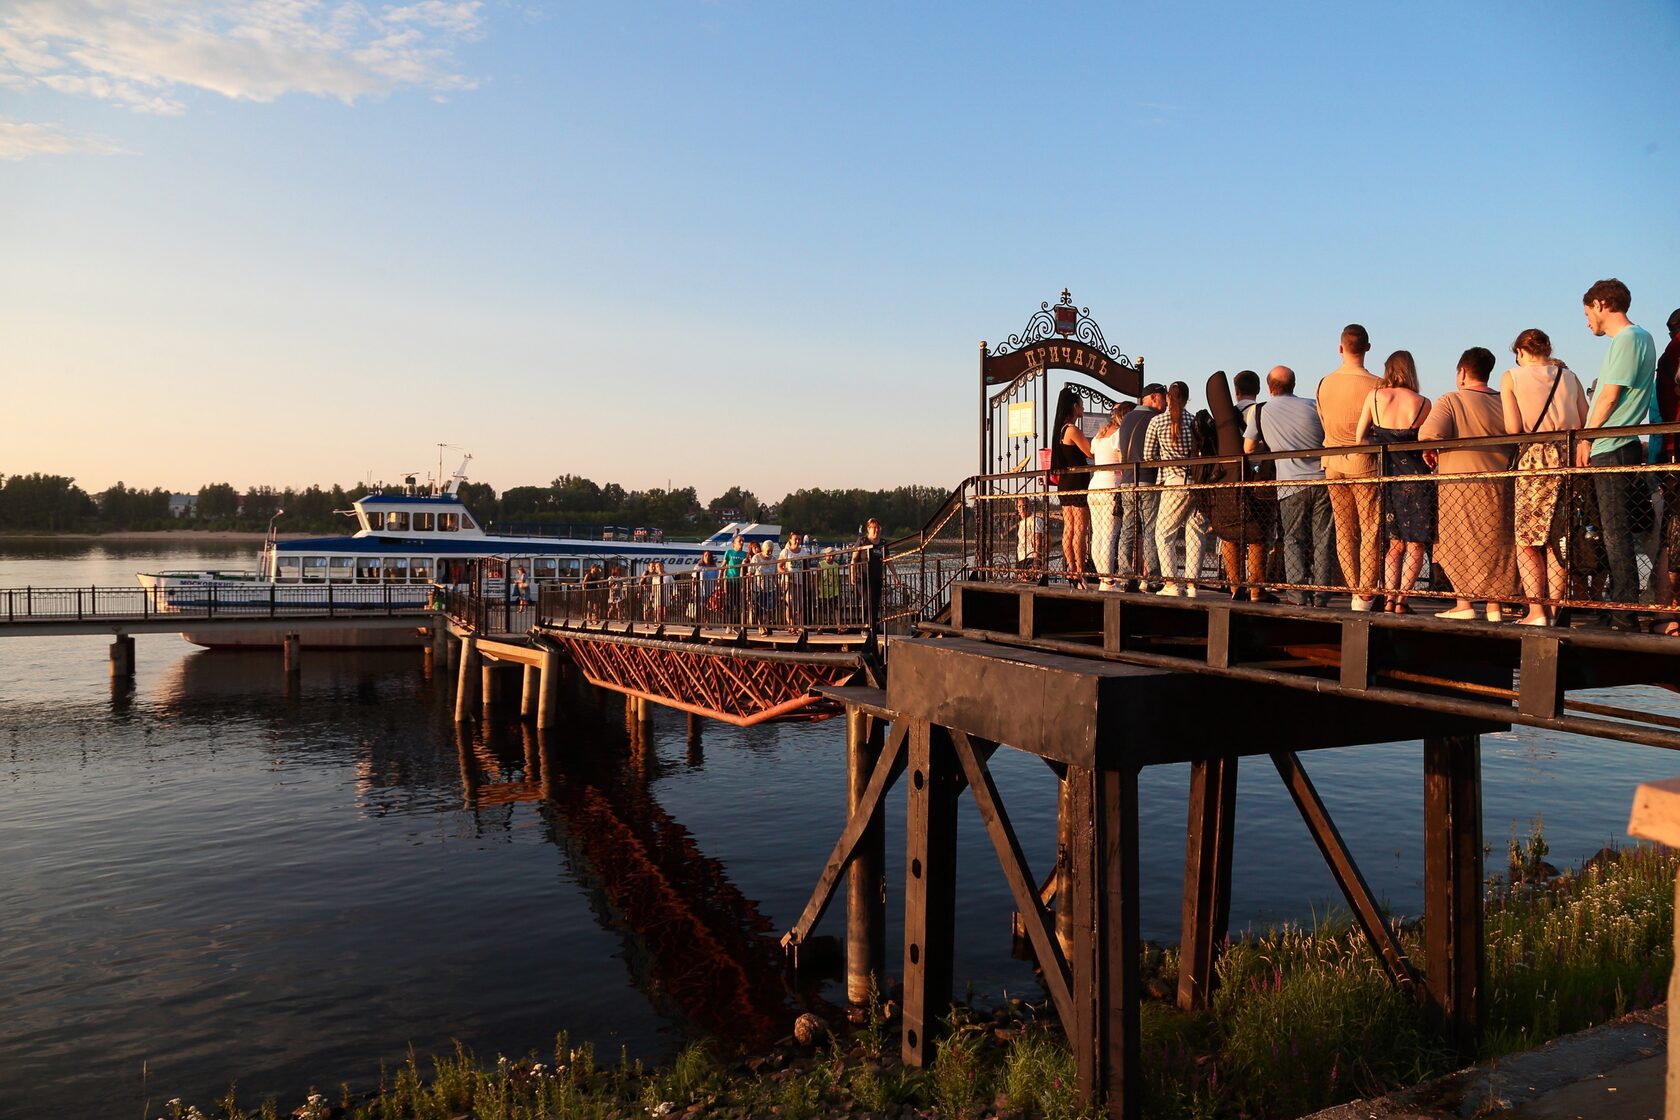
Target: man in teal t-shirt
(1626,394)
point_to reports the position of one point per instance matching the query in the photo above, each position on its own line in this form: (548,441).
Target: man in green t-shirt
(733,558)
(1626,394)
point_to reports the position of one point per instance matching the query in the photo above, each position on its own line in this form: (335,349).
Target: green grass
(1303,1018)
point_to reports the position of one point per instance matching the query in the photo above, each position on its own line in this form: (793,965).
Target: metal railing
(811,596)
(1494,520)
(259,600)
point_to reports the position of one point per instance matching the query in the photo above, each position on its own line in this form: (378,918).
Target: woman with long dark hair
(1070,448)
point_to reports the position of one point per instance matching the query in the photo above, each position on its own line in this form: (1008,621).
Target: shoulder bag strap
(1538,420)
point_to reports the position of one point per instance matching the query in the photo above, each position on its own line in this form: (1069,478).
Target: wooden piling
(866,911)
(530,694)
(122,656)
(292,645)
(494,676)
(466,694)
(1207,876)
(930,889)
(1064,865)
(1452,900)
(548,705)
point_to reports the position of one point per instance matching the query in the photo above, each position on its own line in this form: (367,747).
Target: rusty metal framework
(742,686)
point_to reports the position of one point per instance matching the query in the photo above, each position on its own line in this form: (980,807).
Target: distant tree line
(54,503)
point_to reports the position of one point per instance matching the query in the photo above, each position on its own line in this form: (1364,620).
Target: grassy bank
(1303,1018)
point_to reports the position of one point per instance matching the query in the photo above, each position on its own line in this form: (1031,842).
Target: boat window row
(401,521)
(413,569)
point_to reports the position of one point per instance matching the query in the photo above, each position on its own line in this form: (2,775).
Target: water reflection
(700,950)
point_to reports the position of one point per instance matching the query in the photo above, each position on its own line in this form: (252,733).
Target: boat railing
(210,600)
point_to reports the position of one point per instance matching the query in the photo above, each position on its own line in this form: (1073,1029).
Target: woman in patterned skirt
(1539,395)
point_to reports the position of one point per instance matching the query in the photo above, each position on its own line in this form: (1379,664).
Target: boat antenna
(268,540)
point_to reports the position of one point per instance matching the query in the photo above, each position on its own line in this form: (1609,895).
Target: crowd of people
(1498,520)
(751,584)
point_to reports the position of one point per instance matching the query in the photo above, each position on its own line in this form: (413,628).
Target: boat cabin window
(396,522)
(368,568)
(315,568)
(467,521)
(420,569)
(396,569)
(448,522)
(545,567)
(422,523)
(340,568)
(375,519)
(287,568)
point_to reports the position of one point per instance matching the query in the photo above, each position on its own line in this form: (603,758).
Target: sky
(283,242)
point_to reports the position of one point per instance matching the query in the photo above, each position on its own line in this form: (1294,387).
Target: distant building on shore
(183,505)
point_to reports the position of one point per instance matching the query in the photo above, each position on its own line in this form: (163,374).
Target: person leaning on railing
(1392,414)
(1288,423)
(734,600)
(1353,505)
(1626,396)
(1472,545)
(1171,436)
(1666,449)
(1540,395)
(1069,448)
(1103,499)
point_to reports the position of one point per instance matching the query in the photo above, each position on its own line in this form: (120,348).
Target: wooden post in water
(548,705)
(1452,886)
(293,647)
(529,695)
(696,747)
(122,655)
(1207,876)
(466,694)
(495,684)
(1064,865)
(644,714)
(866,911)
(930,889)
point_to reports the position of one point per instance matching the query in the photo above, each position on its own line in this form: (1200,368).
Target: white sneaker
(1189,591)
(1169,589)
(1362,604)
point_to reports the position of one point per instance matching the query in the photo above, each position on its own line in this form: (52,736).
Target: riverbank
(1302,1019)
(166,536)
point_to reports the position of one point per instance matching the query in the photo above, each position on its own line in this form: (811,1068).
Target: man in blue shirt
(1627,394)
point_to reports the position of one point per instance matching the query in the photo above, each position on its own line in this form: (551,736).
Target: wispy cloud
(152,55)
(19,140)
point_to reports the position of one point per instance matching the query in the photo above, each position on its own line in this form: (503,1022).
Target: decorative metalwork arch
(1015,420)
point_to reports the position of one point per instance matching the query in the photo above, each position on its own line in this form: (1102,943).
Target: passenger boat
(409,541)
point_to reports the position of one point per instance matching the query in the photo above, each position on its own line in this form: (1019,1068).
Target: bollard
(1656,816)
(122,656)
(465,696)
(292,646)
(528,698)
(866,911)
(548,707)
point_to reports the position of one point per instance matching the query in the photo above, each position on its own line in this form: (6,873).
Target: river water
(216,875)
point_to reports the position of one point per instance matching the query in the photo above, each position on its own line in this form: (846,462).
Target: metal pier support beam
(122,655)
(548,705)
(1452,885)
(292,644)
(866,911)
(466,694)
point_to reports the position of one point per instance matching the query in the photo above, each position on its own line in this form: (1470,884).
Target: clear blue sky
(284,242)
